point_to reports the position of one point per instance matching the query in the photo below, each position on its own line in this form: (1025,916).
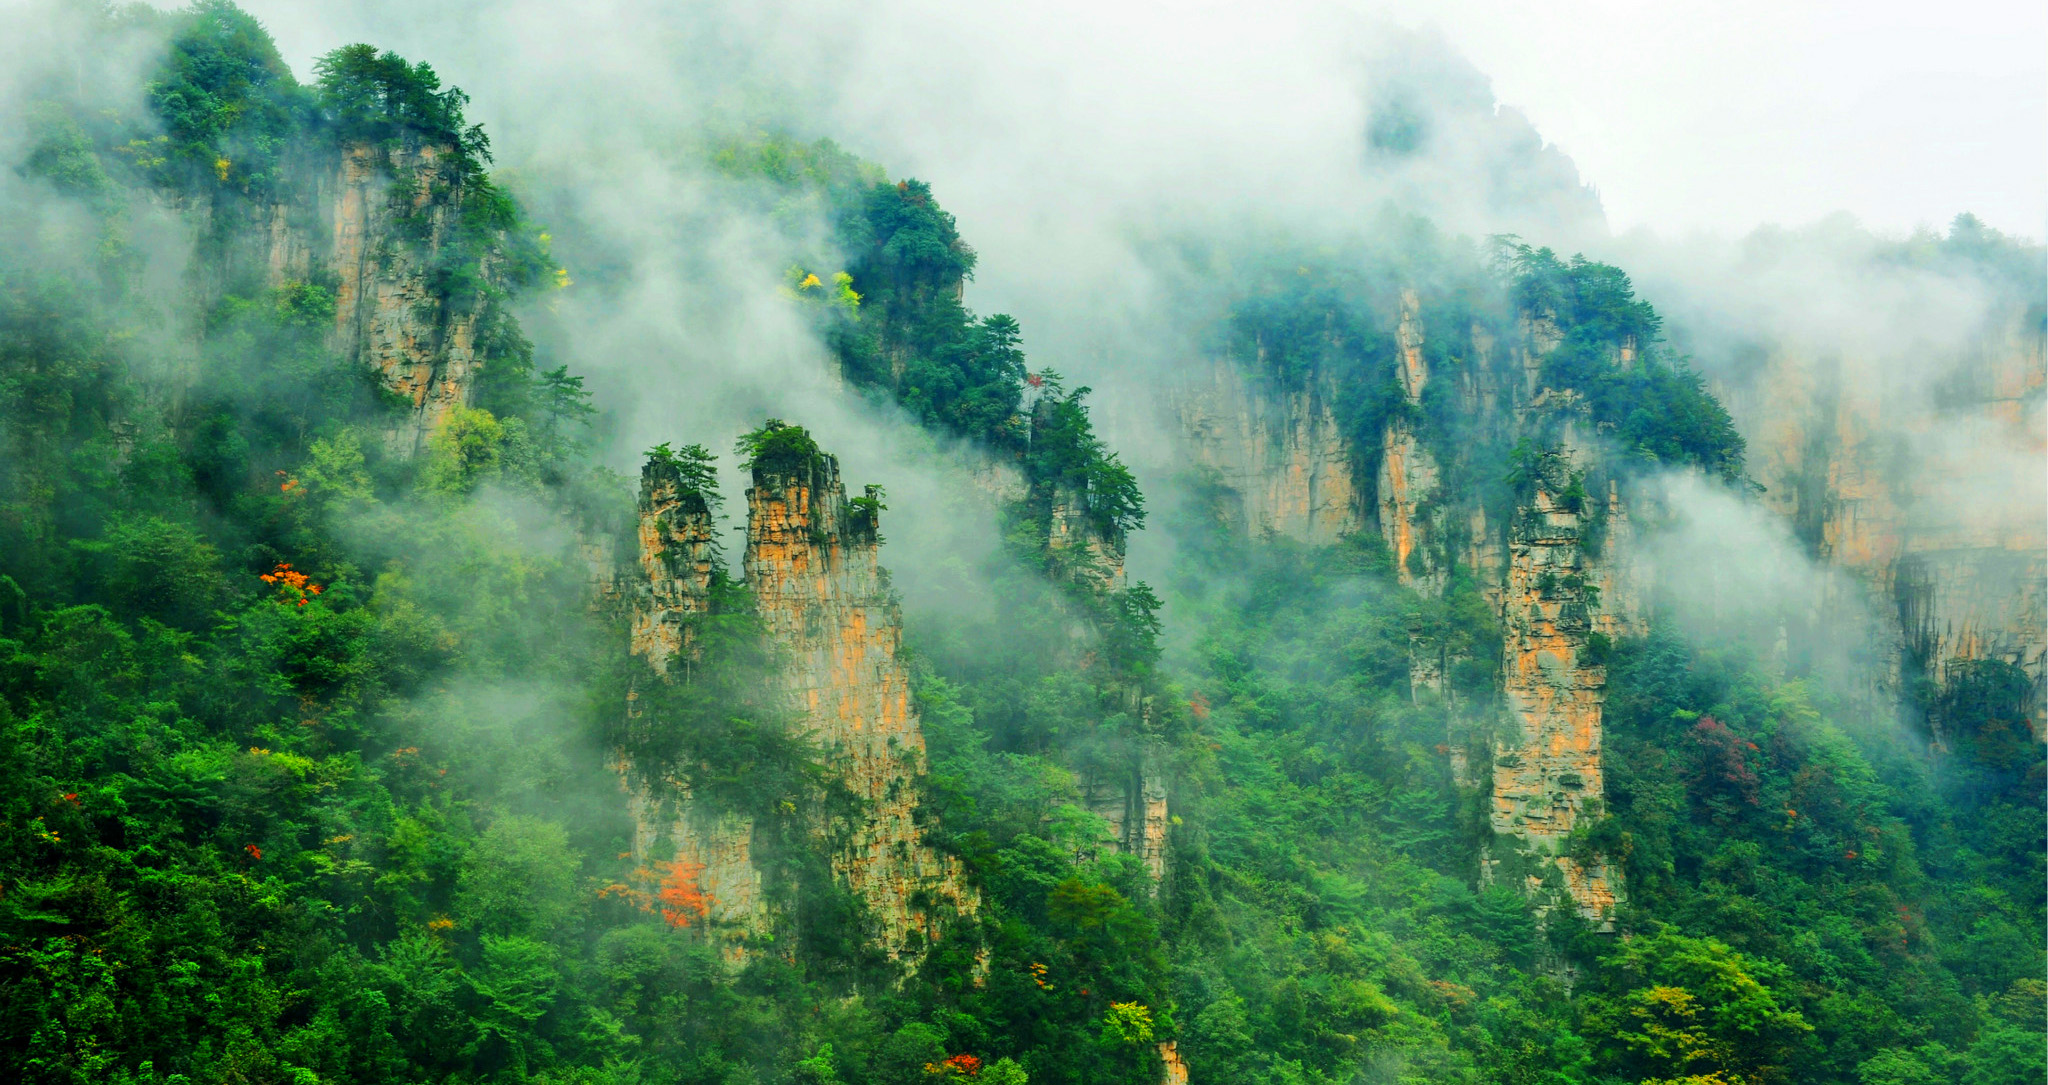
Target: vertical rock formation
(1281,453)
(1559,572)
(826,603)
(391,215)
(379,225)
(1935,499)
(712,850)
(678,559)
(1135,807)
(1546,759)
(1088,555)
(1407,482)
(1174,1069)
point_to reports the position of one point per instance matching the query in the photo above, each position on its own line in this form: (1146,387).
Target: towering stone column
(389,213)
(1408,473)
(1546,759)
(826,603)
(676,842)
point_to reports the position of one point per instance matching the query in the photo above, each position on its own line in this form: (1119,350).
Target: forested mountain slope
(361,724)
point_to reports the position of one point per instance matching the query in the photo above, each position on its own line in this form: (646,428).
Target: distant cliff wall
(373,223)
(1282,454)
(1932,494)
(1557,561)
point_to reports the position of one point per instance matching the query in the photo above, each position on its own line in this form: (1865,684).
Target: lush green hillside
(309,748)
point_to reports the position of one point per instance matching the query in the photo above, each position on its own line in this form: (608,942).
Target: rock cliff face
(1559,569)
(1136,810)
(1078,546)
(1133,803)
(1935,499)
(1408,477)
(678,558)
(826,602)
(713,850)
(826,607)
(1174,1069)
(372,223)
(1281,453)
(392,213)
(1546,760)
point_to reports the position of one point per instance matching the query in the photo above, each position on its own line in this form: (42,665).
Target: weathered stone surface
(715,849)
(1546,761)
(1090,556)
(387,314)
(1540,570)
(1174,1070)
(677,561)
(1408,476)
(1136,810)
(812,562)
(1936,503)
(678,557)
(372,220)
(1281,453)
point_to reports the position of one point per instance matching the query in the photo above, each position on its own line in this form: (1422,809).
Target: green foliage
(379,97)
(229,104)
(780,449)
(864,513)
(1655,407)
(692,469)
(901,327)
(311,749)
(1871,886)
(1068,463)
(1681,1008)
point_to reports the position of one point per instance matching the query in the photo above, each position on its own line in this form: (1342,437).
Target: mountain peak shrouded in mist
(688,545)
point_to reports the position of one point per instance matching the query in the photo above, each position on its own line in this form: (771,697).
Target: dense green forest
(309,746)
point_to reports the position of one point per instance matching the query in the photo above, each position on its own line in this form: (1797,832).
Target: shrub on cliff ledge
(378,97)
(778,448)
(1611,352)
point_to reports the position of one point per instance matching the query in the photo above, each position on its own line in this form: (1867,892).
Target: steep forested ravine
(361,722)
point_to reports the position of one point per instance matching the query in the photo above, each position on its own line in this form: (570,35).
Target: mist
(394,740)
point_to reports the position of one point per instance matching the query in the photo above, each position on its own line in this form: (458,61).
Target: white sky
(1724,114)
(1686,115)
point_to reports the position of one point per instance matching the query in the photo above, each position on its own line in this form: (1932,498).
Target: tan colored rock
(1174,1070)
(1938,504)
(1408,476)
(1079,546)
(678,558)
(677,562)
(387,315)
(812,562)
(1546,763)
(1281,453)
(716,849)
(372,219)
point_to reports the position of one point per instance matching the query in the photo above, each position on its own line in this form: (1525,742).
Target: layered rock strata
(1546,759)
